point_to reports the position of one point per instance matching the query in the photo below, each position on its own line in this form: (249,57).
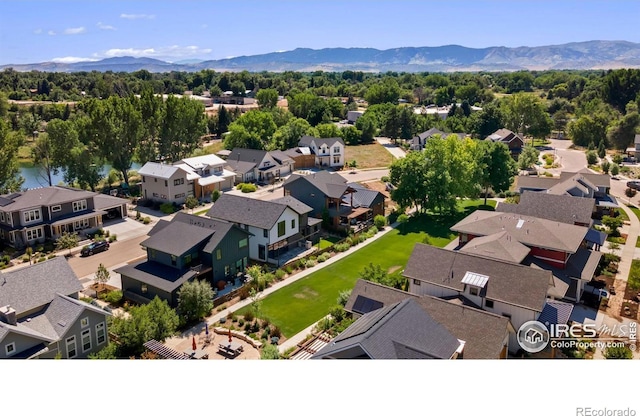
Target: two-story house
(564,249)
(41,316)
(179,251)
(511,139)
(196,176)
(328,194)
(274,225)
(512,290)
(252,165)
(32,216)
(329,152)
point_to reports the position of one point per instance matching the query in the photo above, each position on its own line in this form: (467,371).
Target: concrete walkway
(629,248)
(394,149)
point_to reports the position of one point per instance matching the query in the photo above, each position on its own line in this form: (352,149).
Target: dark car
(633,185)
(95,247)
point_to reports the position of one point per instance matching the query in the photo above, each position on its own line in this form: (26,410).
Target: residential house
(251,165)
(485,334)
(328,152)
(32,216)
(511,139)
(391,333)
(275,226)
(353,116)
(554,207)
(564,249)
(302,157)
(515,291)
(345,204)
(41,316)
(208,174)
(583,184)
(418,142)
(634,151)
(186,248)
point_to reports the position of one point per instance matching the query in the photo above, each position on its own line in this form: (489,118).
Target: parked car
(633,184)
(95,247)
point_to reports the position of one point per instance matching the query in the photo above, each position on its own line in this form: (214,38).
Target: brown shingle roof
(563,208)
(500,246)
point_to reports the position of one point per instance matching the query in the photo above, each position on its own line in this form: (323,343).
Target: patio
(210,348)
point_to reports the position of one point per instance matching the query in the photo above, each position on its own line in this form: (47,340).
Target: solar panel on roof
(365,305)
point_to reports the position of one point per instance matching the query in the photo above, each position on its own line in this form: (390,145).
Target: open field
(367,156)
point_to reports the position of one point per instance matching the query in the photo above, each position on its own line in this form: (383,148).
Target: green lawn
(623,214)
(327,242)
(635,210)
(634,275)
(300,304)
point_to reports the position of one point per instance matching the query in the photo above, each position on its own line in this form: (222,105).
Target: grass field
(300,304)
(327,242)
(372,155)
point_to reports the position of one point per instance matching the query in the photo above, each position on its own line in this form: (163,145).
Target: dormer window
(475,282)
(207,171)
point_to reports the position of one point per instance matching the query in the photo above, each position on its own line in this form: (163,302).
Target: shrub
(592,157)
(41,259)
(241,322)
(167,208)
(385,179)
(279,275)
(350,241)
(311,263)
(288,269)
(215,195)
(146,220)
(630,192)
(265,324)
(302,263)
(341,247)
(275,332)
(323,257)
(113,297)
(246,187)
(248,316)
(26,258)
(362,238)
(6,258)
(113,238)
(138,215)
(380,221)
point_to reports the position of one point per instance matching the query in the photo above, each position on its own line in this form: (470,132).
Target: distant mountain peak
(593,54)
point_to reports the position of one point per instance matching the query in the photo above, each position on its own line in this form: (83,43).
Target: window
(506,315)
(336,149)
(217,169)
(79,205)
(56,208)
(281,228)
(144,288)
(179,181)
(227,270)
(166,182)
(100,333)
(144,179)
(10,218)
(336,159)
(218,254)
(31,216)
(242,243)
(416,282)
(11,237)
(84,322)
(34,234)
(293,224)
(86,340)
(473,291)
(71,347)
(488,303)
(81,224)
(174,260)
(155,179)
(152,253)
(262,252)
(2,216)
(207,172)
(265,233)
(187,259)
(9,349)
(178,196)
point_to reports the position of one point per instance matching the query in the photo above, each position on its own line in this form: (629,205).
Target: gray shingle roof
(240,166)
(500,246)
(254,156)
(503,135)
(432,131)
(158,170)
(51,195)
(177,238)
(363,197)
(242,210)
(390,333)
(576,185)
(535,182)
(598,179)
(34,286)
(64,311)
(530,231)
(218,228)
(563,208)
(483,332)
(102,201)
(330,184)
(158,275)
(508,282)
(298,206)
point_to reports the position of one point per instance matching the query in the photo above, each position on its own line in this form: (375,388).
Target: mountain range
(597,54)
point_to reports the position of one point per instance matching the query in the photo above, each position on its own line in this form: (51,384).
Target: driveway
(568,160)
(395,150)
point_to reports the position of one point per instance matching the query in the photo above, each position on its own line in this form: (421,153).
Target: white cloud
(37,31)
(51,33)
(103,26)
(137,16)
(75,30)
(174,51)
(71,59)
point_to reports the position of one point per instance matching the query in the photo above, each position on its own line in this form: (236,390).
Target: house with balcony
(195,176)
(346,205)
(186,248)
(275,226)
(33,216)
(252,165)
(570,252)
(41,316)
(328,152)
(518,292)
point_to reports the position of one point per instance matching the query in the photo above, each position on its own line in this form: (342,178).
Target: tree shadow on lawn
(438,225)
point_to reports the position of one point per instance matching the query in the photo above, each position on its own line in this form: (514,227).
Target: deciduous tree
(195,300)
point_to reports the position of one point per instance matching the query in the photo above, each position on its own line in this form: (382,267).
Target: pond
(36,178)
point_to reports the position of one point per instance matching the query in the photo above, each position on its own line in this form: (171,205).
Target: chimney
(8,315)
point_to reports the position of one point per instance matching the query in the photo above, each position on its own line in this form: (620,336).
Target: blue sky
(65,31)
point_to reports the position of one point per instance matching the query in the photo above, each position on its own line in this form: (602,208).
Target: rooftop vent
(8,315)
